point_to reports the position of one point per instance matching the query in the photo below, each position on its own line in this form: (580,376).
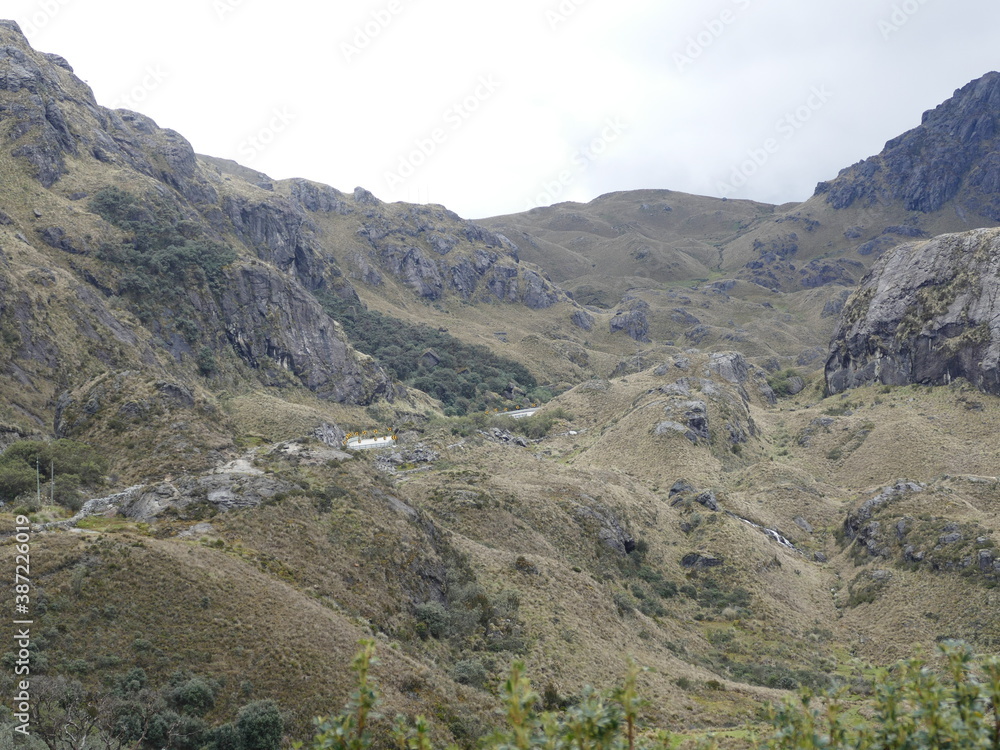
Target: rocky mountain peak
(953,155)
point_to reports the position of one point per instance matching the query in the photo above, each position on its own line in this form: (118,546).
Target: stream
(770,532)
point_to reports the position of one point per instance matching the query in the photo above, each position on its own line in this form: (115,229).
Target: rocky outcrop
(434,252)
(734,367)
(285,238)
(631,318)
(682,491)
(611,530)
(690,419)
(859,524)
(53,115)
(699,561)
(927,312)
(883,531)
(583,319)
(504,437)
(202,496)
(276,328)
(954,154)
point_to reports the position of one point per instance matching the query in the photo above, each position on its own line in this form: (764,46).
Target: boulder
(697,560)
(925,314)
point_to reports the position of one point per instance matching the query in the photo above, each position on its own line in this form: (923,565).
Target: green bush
(779,382)
(260,725)
(601,721)
(624,603)
(913,708)
(461,378)
(75,464)
(193,696)
(470,672)
(206,361)
(162,257)
(434,618)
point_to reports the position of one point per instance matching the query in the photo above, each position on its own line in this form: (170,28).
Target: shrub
(434,617)
(598,720)
(463,374)
(260,725)
(73,463)
(193,696)
(470,672)
(624,603)
(206,361)
(914,707)
(779,382)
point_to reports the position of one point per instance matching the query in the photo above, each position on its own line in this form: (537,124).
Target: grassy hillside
(570,554)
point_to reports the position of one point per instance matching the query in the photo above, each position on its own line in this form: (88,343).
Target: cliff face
(954,154)
(927,312)
(133,283)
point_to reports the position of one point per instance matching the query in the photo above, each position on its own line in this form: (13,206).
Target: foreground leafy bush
(598,721)
(913,708)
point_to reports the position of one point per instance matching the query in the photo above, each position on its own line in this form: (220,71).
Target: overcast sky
(496,107)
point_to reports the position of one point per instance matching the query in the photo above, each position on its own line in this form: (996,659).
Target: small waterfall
(770,532)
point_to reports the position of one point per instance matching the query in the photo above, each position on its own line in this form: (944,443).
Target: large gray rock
(631,318)
(283,236)
(926,313)
(611,530)
(219,493)
(583,319)
(858,520)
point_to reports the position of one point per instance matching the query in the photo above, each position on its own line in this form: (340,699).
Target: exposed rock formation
(631,318)
(274,326)
(928,312)
(953,154)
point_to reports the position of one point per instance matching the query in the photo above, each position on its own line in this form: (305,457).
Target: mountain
(127,253)
(950,161)
(939,177)
(185,343)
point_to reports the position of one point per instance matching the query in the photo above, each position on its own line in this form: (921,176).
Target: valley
(751,448)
